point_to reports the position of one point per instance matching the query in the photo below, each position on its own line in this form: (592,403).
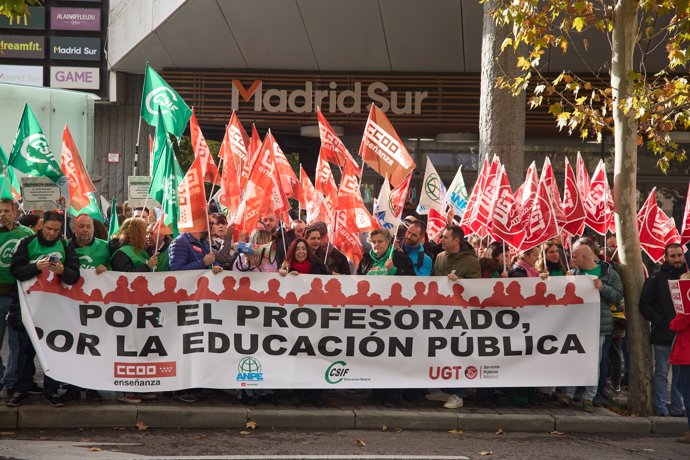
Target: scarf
(531,271)
(302,267)
(378,264)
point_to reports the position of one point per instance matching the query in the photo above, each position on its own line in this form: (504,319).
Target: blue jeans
(661,367)
(684,381)
(4,309)
(591,391)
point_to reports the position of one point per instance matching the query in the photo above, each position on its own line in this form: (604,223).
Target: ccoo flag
(31,153)
(80,184)
(157,95)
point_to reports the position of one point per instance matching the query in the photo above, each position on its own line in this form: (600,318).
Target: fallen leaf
(119,428)
(142,426)
(500,431)
(384,428)
(456,432)
(486,452)
(7,433)
(398,429)
(305,443)
(245,433)
(559,433)
(251,424)
(648,450)
(359,443)
(95,449)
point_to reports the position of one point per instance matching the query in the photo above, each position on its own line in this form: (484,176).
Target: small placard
(43,194)
(113,157)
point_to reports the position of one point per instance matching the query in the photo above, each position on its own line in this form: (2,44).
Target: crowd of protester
(142,245)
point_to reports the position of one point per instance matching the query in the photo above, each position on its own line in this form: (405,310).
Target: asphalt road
(159,443)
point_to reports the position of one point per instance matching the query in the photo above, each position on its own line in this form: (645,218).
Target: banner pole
(136,148)
(505,262)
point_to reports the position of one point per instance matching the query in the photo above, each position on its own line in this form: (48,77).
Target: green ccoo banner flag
(31,153)
(157,95)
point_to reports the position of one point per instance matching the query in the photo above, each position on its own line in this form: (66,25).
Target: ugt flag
(158,94)
(31,153)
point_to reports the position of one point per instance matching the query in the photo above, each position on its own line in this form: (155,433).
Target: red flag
(573,207)
(685,232)
(325,183)
(657,230)
(582,177)
(480,215)
(599,202)
(208,166)
(540,225)
(286,174)
(504,222)
(436,223)
(193,209)
(73,167)
(345,241)
(399,195)
(307,192)
(230,192)
(332,148)
(265,194)
(318,210)
(235,143)
(552,188)
(253,152)
(382,149)
(350,205)
(524,196)
(474,197)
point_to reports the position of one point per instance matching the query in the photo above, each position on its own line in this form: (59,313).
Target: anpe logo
(471,372)
(336,372)
(249,369)
(145,370)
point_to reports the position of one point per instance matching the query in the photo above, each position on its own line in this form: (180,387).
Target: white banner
(169,331)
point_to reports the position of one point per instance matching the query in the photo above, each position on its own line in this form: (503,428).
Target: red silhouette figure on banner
(76,291)
(433,296)
(95,296)
(540,297)
(203,291)
(514,292)
(169,294)
(120,293)
(361,297)
(272,295)
(419,294)
(396,298)
(46,283)
(245,292)
(228,292)
(498,298)
(140,289)
(334,293)
(569,297)
(456,299)
(315,295)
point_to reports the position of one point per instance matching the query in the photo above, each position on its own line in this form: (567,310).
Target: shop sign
(29,75)
(23,47)
(34,20)
(76,48)
(75,19)
(75,77)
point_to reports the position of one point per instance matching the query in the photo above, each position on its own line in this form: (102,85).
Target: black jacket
(401,261)
(24,270)
(656,304)
(280,247)
(336,260)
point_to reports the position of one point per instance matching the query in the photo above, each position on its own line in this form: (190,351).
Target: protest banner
(169,331)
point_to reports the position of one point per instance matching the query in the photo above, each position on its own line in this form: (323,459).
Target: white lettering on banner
(238,330)
(332,100)
(502,208)
(236,146)
(384,145)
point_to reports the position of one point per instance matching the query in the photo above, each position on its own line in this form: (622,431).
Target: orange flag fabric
(208,166)
(332,148)
(193,209)
(73,167)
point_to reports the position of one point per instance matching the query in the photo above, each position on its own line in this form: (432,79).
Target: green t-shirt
(97,253)
(595,271)
(8,242)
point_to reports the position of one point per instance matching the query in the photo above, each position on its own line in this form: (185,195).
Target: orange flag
(307,192)
(252,152)
(265,194)
(350,204)
(72,166)
(345,241)
(325,183)
(332,148)
(382,149)
(230,192)
(235,143)
(208,166)
(399,195)
(286,174)
(193,210)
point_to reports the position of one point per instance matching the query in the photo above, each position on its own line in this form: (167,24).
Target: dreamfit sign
(331,100)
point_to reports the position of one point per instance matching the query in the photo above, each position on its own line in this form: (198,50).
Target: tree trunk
(625,198)
(501,115)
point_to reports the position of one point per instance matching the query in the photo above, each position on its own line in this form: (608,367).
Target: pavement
(343,409)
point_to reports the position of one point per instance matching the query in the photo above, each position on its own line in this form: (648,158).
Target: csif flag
(433,194)
(382,149)
(80,184)
(31,153)
(159,96)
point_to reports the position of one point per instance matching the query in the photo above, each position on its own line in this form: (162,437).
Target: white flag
(384,210)
(457,193)
(433,193)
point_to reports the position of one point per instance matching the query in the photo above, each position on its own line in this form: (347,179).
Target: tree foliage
(660,101)
(12,8)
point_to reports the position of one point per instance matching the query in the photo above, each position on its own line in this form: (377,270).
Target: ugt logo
(249,370)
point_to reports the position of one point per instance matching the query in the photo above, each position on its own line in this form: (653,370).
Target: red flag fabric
(286,174)
(318,210)
(345,241)
(399,195)
(73,167)
(657,230)
(524,196)
(265,194)
(436,223)
(541,222)
(480,215)
(474,197)
(332,148)
(208,166)
(582,177)
(382,149)
(325,183)
(552,188)
(685,232)
(193,209)
(307,192)
(599,202)
(572,204)
(350,205)
(230,192)
(235,143)
(252,152)
(504,221)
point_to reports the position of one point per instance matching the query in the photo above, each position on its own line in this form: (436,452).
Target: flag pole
(158,234)
(210,196)
(136,146)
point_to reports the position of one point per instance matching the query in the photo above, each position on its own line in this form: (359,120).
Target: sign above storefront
(23,47)
(75,77)
(34,20)
(30,75)
(75,19)
(76,48)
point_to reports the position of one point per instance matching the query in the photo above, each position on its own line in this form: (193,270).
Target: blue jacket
(415,253)
(187,253)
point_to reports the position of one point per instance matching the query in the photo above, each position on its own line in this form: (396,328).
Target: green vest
(163,264)
(137,257)
(97,253)
(9,241)
(38,251)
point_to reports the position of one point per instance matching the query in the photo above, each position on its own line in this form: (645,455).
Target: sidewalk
(343,410)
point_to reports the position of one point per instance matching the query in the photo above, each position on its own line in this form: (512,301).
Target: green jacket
(611,294)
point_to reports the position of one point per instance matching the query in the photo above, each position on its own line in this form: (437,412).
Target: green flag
(167,176)
(114,223)
(161,137)
(92,209)
(158,94)
(5,179)
(31,153)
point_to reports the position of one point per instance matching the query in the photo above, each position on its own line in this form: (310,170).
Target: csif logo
(336,372)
